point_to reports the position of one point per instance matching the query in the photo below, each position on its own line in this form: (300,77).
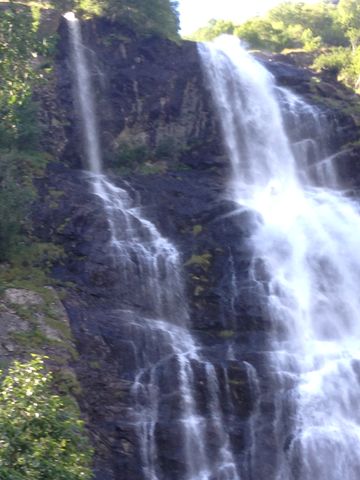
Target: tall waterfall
(85,97)
(165,407)
(308,243)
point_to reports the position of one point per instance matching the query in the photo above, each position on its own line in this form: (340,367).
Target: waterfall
(85,97)
(164,405)
(308,243)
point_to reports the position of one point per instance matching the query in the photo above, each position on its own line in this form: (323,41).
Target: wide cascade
(306,265)
(165,409)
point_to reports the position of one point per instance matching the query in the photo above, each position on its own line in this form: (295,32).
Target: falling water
(167,356)
(308,243)
(85,97)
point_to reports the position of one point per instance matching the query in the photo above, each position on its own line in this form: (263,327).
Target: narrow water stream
(166,354)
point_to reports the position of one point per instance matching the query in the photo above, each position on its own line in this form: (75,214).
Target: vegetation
(20,160)
(17,171)
(156,16)
(329,30)
(19,47)
(41,433)
(42,436)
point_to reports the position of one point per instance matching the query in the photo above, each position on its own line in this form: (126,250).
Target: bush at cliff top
(41,435)
(333,60)
(155,16)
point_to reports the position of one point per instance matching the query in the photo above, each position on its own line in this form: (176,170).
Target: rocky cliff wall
(161,142)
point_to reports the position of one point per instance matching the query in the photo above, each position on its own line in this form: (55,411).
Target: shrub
(41,435)
(333,60)
(17,169)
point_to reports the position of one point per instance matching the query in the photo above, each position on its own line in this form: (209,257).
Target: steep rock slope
(162,143)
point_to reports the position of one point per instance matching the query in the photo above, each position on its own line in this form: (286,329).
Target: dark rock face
(151,99)
(142,101)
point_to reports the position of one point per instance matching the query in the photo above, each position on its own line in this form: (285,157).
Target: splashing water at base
(308,242)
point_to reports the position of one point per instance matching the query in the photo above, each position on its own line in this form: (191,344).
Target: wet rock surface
(153,104)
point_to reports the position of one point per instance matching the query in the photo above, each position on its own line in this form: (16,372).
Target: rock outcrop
(161,142)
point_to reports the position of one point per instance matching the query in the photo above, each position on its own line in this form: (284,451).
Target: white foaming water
(143,254)
(180,352)
(164,349)
(308,241)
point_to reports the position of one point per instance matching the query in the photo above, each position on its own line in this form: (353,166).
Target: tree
(319,21)
(41,437)
(288,25)
(349,16)
(157,16)
(261,34)
(213,29)
(19,45)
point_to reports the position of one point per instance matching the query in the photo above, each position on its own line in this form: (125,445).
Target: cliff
(162,143)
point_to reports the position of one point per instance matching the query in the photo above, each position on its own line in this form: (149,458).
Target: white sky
(196,13)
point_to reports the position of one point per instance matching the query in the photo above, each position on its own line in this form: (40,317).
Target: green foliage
(344,62)
(333,60)
(318,20)
(24,132)
(226,334)
(197,229)
(212,30)
(259,33)
(349,17)
(203,261)
(155,16)
(131,156)
(350,74)
(17,169)
(136,156)
(330,31)
(19,47)
(41,434)
(29,265)
(288,25)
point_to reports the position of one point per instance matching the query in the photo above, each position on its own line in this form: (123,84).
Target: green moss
(60,326)
(352,145)
(26,313)
(226,334)
(23,275)
(203,261)
(181,167)
(149,168)
(197,229)
(199,289)
(94,364)
(29,266)
(18,170)
(114,38)
(168,148)
(53,198)
(33,338)
(4,364)
(127,155)
(237,383)
(133,154)
(66,382)
(62,227)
